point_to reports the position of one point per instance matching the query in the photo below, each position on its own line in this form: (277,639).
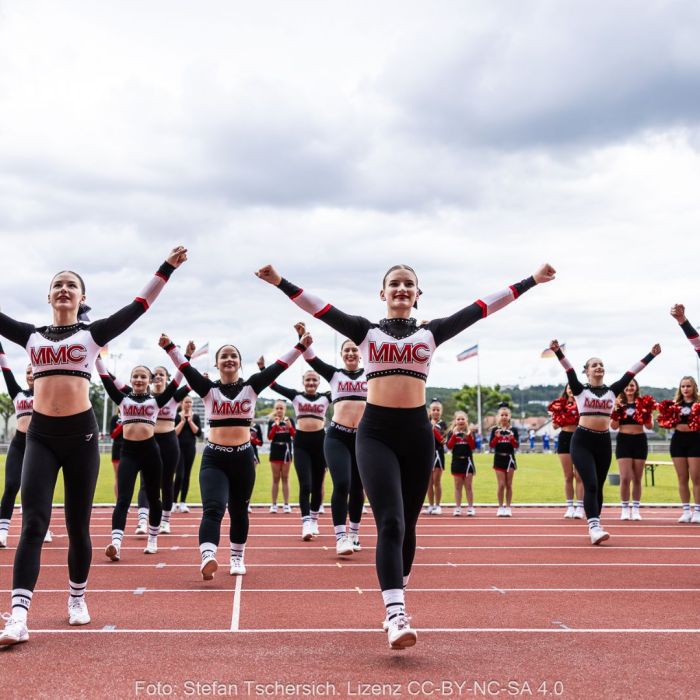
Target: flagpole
(478,395)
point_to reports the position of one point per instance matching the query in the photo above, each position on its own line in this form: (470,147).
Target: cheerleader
(395,440)
(460,442)
(187,427)
(685,443)
(63,433)
(504,441)
(115,432)
(631,448)
(227,473)
(435,485)
(280,433)
(565,416)
(591,447)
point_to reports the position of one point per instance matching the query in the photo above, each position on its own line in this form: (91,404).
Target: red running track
(520,607)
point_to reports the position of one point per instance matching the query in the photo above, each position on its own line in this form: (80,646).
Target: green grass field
(537,480)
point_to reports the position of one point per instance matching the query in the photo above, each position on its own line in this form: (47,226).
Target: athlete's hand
(288,422)
(164,340)
(306,340)
(190,349)
(678,312)
(261,362)
(300,328)
(177,256)
(656,350)
(269,274)
(544,274)
(554,345)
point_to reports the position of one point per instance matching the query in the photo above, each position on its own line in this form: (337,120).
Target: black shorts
(685,444)
(117,450)
(564,444)
(439,459)
(461,466)
(631,446)
(504,462)
(281,452)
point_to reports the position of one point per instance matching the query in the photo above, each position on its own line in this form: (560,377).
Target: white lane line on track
(236,614)
(294,565)
(427,549)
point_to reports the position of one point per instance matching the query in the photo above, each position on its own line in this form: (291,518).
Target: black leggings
(591,452)
(13,474)
(138,456)
(310,467)
(188,450)
(395,450)
(227,474)
(169,447)
(68,442)
(348,494)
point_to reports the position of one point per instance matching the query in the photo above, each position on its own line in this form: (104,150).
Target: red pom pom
(563,413)
(669,414)
(618,414)
(646,405)
(694,421)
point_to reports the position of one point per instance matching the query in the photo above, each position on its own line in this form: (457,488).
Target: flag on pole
(201,351)
(473,351)
(547,353)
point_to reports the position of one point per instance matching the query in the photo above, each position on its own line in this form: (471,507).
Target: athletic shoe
(457,511)
(306,531)
(625,514)
(184,508)
(48,537)
(437,510)
(400,634)
(598,535)
(356,543)
(364,510)
(176,508)
(164,528)
(208,567)
(3,539)
(286,508)
(508,512)
(273,509)
(77,611)
(501,512)
(112,552)
(471,510)
(250,508)
(570,512)
(695,519)
(686,517)
(579,513)
(636,515)
(314,527)
(237,565)
(151,546)
(322,509)
(15,631)
(343,546)
(141,528)
(428,510)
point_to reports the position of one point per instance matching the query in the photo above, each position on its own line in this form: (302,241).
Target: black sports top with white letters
(305,405)
(346,385)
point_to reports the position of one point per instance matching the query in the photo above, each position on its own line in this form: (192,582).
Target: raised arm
(13,388)
(621,383)
(574,383)
(354,327)
(106,329)
(16,331)
(267,375)
(114,393)
(323,368)
(445,328)
(678,312)
(201,385)
(170,390)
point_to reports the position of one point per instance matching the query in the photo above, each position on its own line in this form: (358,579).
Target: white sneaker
(77,611)
(570,512)
(176,508)
(208,567)
(356,543)
(164,528)
(48,537)
(428,510)
(579,513)
(400,634)
(364,510)
(625,514)
(508,512)
(250,508)
(141,528)
(3,539)
(151,546)
(286,508)
(184,508)
(636,515)
(598,535)
(273,508)
(112,551)
(15,631)
(306,531)
(501,512)
(343,546)
(237,565)
(314,527)
(695,519)
(471,511)
(457,511)
(685,518)
(437,510)
(322,509)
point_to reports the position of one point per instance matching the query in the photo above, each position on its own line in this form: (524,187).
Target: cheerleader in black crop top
(439,433)
(460,441)
(280,433)
(591,448)
(63,433)
(227,473)
(310,408)
(188,429)
(349,396)
(395,443)
(685,442)
(504,441)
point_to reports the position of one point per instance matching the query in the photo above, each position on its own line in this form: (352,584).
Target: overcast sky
(472,140)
